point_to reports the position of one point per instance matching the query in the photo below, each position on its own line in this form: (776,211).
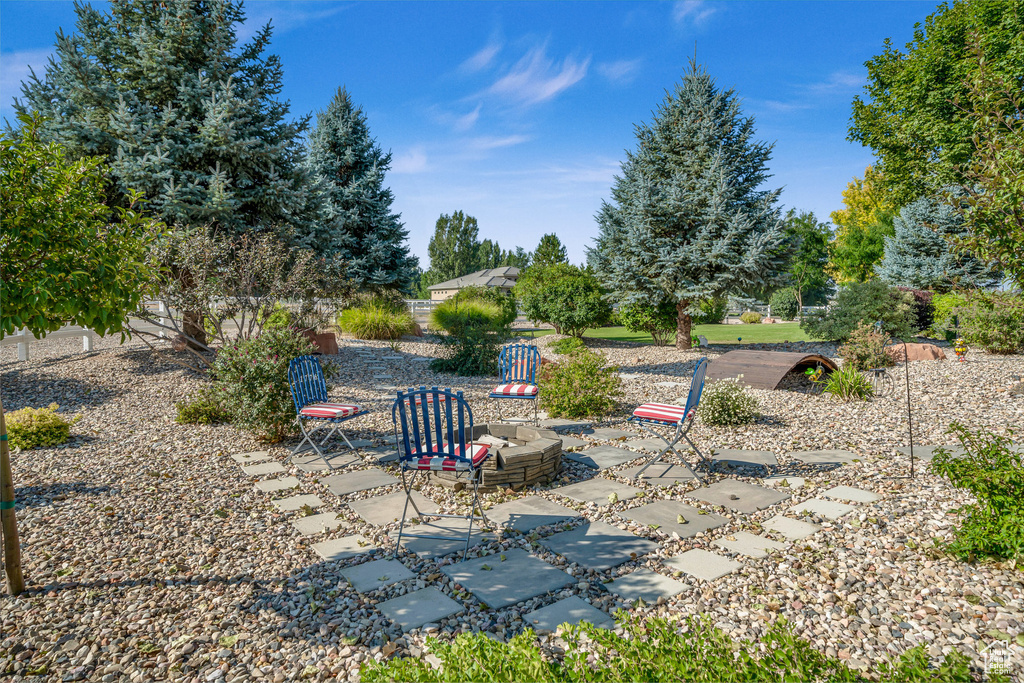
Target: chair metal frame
(682,427)
(436,423)
(517,364)
(306,380)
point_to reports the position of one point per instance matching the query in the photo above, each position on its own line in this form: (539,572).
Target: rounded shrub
(784,304)
(35,427)
(567,345)
(492,295)
(376,321)
(476,329)
(659,320)
(580,387)
(204,408)
(710,312)
(863,302)
(726,402)
(993,320)
(750,317)
(865,349)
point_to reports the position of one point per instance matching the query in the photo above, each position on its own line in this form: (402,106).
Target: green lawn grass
(716,334)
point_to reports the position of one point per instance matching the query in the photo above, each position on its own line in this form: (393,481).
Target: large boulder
(915,351)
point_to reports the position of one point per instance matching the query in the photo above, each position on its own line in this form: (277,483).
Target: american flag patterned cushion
(662,412)
(477,454)
(329,410)
(515,389)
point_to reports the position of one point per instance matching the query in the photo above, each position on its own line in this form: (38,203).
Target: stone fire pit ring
(522,456)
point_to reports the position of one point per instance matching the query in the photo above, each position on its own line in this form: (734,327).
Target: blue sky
(519,113)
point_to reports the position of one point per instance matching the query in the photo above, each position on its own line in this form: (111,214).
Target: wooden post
(8,520)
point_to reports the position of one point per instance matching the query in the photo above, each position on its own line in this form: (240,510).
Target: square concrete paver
(702,564)
(665,515)
(569,442)
(383,454)
(784,483)
(275,485)
(370,576)
(317,524)
(572,610)
(926,453)
(344,548)
(560,425)
(381,510)
(793,529)
(598,546)
(741,458)
(748,544)
(263,468)
(363,480)
(829,509)
(499,582)
(454,529)
(529,513)
(298,502)
(645,584)
(661,473)
(828,457)
(412,610)
(610,434)
(602,457)
(251,458)
(738,495)
(652,444)
(597,490)
(851,493)
(311,462)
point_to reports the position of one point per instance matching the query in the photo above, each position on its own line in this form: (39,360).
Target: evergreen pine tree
(550,251)
(921,254)
(688,222)
(357,225)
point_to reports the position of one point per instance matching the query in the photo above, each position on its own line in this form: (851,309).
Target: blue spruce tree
(357,225)
(921,255)
(688,221)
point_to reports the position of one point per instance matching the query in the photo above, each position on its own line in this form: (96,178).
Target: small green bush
(993,527)
(567,345)
(993,321)
(943,310)
(726,402)
(252,381)
(710,312)
(750,317)
(849,384)
(454,317)
(476,330)
(376,321)
(280,318)
(491,295)
(35,427)
(866,349)
(659,321)
(784,304)
(580,387)
(863,302)
(203,409)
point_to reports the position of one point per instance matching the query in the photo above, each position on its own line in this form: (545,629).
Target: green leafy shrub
(568,297)
(849,384)
(580,387)
(943,310)
(710,312)
(659,321)
(376,320)
(924,310)
(476,330)
(280,318)
(993,527)
(252,381)
(865,349)
(750,317)
(784,304)
(566,345)
(202,409)
(659,649)
(35,427)
(726,402)
(863,302)
(993,321)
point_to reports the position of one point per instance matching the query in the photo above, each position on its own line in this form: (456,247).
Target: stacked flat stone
(533,455)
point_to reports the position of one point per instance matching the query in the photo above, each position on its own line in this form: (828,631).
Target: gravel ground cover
(150,555)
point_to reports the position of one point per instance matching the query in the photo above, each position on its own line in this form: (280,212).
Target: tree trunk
(192,326)
(683,321)
(8,520)
(799,303)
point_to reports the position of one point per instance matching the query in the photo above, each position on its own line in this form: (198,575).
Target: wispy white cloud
(467,121)
(781,106)
(284,16)
(15,68)
(483,57)
(412,161)
(536,78)
(622,72)
(489,142)
(693,12)
(838,81)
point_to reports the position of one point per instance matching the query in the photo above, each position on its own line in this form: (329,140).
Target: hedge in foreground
(658,650)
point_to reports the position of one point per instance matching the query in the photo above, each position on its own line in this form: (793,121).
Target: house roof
(491,277)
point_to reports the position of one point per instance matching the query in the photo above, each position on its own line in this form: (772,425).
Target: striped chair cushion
(515,389)
(329,410)
(477,453)
(662,412)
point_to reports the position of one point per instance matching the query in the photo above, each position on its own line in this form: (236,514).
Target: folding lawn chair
(517,367)
(650,415)
(436,436)
(312,406)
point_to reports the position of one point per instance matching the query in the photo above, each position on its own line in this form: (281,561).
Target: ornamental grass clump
(580,387)
(376,320)
(36,427)
(476,329)
(726,402)
(849,384)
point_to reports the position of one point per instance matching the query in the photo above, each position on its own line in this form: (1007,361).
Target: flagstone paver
(793,529)
(415,609)
(827,457)
(382,454)
(560,425)
(646,584)
(850,493)
(275,485)
(526,514)
(381,510)
(785,483)
(661,473)
(602,457)
(431,547)
(650,444)
(571,610)
(383,376)
(298,502)
(263,468)
(828,509)
(738,495)
(702,564)
(393,357)
(749,544)
(569,442)
(928,452)
(370,576)
(665,515)
(251,458)
(598,546)
(314,463)
(609,433)
(743,458)
(506,578)
(344,548)
(317,524)
(597,490)
(363,480)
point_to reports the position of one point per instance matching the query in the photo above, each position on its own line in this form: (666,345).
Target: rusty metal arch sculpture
(764,369)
